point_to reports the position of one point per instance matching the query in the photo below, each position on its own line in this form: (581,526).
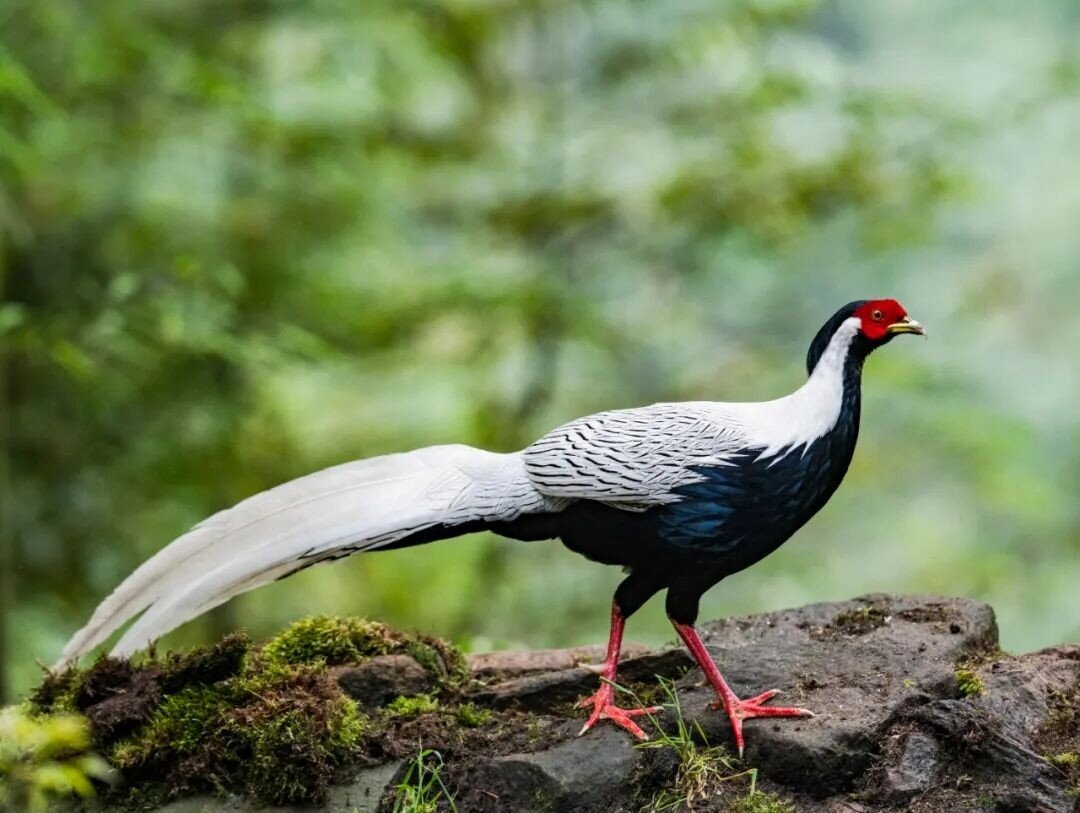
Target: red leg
(737,710)
(603,701)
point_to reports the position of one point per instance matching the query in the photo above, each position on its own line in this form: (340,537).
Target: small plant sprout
(702,767)
(422,787)
(968,683)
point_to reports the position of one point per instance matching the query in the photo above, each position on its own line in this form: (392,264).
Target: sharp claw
(741,710)
(604,709)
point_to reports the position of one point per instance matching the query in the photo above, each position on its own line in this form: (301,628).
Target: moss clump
(107,678)
(338,641)
(268,722)
(56,692)
(472,716)
(1068,762)
(291,743)
(760,802)
(178,728)
(276,733)
(334,641)
(119,697)
(205,665)
(224,717)
(412,706)
(968,683)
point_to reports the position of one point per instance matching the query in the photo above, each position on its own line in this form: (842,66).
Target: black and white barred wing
(349,508)
(634,458)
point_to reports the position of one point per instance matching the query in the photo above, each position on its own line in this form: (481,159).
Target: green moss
(336,641)
(444,663)
(412,706)
(1068,762)
(333,641)
(226,717)
(180,726)
(291,747)
(760,802)
(277,733)
(472,716)
(347,731)
(268,722)
(968,683)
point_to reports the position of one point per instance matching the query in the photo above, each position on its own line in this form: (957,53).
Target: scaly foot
(740,710)
(604,708)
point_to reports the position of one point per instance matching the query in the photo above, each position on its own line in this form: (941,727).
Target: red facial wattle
(877,315)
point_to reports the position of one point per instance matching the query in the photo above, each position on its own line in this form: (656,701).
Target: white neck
(797,420)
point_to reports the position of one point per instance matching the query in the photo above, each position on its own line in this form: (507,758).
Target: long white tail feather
(353,507)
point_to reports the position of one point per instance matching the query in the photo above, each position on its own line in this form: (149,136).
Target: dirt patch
(857,621)
(925,614)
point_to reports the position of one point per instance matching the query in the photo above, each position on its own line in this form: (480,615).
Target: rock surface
(893,730)
(382,678)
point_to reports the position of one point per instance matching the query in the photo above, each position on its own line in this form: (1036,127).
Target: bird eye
(876,315)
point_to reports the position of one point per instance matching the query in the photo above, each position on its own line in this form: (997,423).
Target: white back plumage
(353,507)
(636,458)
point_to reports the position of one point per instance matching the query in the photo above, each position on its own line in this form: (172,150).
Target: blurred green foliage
(243,241)
(43,759)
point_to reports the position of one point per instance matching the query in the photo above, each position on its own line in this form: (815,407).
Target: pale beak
(906,325)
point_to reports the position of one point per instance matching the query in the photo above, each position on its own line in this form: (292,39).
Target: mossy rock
(269,722)
(338,641)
